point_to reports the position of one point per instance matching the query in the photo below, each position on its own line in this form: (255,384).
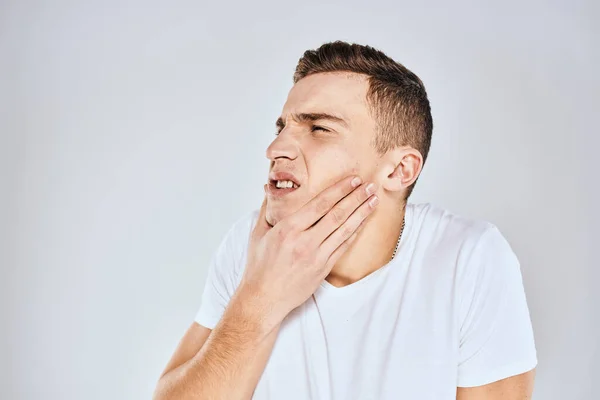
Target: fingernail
(374,201)
(370,189)
(356,181)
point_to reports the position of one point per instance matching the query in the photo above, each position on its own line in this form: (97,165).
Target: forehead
(338,93)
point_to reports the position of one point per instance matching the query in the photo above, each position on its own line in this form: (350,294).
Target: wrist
(253,308)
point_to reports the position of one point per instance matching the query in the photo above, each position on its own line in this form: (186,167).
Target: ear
(401,168)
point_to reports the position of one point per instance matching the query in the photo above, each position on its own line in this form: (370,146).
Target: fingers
(347,229)
(262,226)
(322,203)
(342,211)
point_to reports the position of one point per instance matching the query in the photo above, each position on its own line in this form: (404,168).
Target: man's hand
(286,263)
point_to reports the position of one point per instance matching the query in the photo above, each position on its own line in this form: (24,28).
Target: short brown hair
(397,96)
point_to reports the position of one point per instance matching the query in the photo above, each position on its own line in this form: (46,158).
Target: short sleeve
(224,273)
(496,335)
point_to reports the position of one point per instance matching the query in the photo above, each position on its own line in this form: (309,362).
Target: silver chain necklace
(399,237)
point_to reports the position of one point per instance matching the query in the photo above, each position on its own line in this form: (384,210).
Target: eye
(319,128)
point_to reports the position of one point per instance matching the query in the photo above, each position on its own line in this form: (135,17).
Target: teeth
(285,184)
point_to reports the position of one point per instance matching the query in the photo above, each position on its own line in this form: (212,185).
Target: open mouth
(278,188)
(284,184)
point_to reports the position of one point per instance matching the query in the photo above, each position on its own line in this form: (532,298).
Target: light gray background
(133,135)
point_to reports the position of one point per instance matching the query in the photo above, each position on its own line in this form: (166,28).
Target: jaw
(276,212)
(279,208)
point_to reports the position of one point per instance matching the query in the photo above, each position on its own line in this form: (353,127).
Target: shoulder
(434,224)
(468,241)
(234,243)
(243,225)
(238,235)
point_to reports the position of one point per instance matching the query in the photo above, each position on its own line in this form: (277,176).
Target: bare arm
(519,387)
(225,363)
(285,265)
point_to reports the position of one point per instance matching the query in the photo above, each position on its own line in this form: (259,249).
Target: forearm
(231,361)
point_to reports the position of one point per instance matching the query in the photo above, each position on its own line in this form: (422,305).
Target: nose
(282,147)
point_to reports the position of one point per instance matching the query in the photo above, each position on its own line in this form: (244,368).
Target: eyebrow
(312,117)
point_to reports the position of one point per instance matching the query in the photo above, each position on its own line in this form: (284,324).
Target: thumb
(262,226)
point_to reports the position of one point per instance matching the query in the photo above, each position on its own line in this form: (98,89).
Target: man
(338,288)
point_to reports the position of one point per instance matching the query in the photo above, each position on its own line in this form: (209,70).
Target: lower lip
(273,191)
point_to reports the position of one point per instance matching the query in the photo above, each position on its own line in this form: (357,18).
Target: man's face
(314,151)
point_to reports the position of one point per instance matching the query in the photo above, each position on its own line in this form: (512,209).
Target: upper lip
(283,176)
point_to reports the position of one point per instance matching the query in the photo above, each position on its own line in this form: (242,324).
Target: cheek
(328,166)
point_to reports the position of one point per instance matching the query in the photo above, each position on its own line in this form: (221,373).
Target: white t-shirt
(448,311)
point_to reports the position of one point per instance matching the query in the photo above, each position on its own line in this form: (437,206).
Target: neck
(372,249)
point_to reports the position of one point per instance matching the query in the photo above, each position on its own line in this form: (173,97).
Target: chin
(273,217)
(276,213)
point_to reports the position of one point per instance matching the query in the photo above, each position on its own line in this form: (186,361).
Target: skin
(321,152)
(326,229)
(286,264)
